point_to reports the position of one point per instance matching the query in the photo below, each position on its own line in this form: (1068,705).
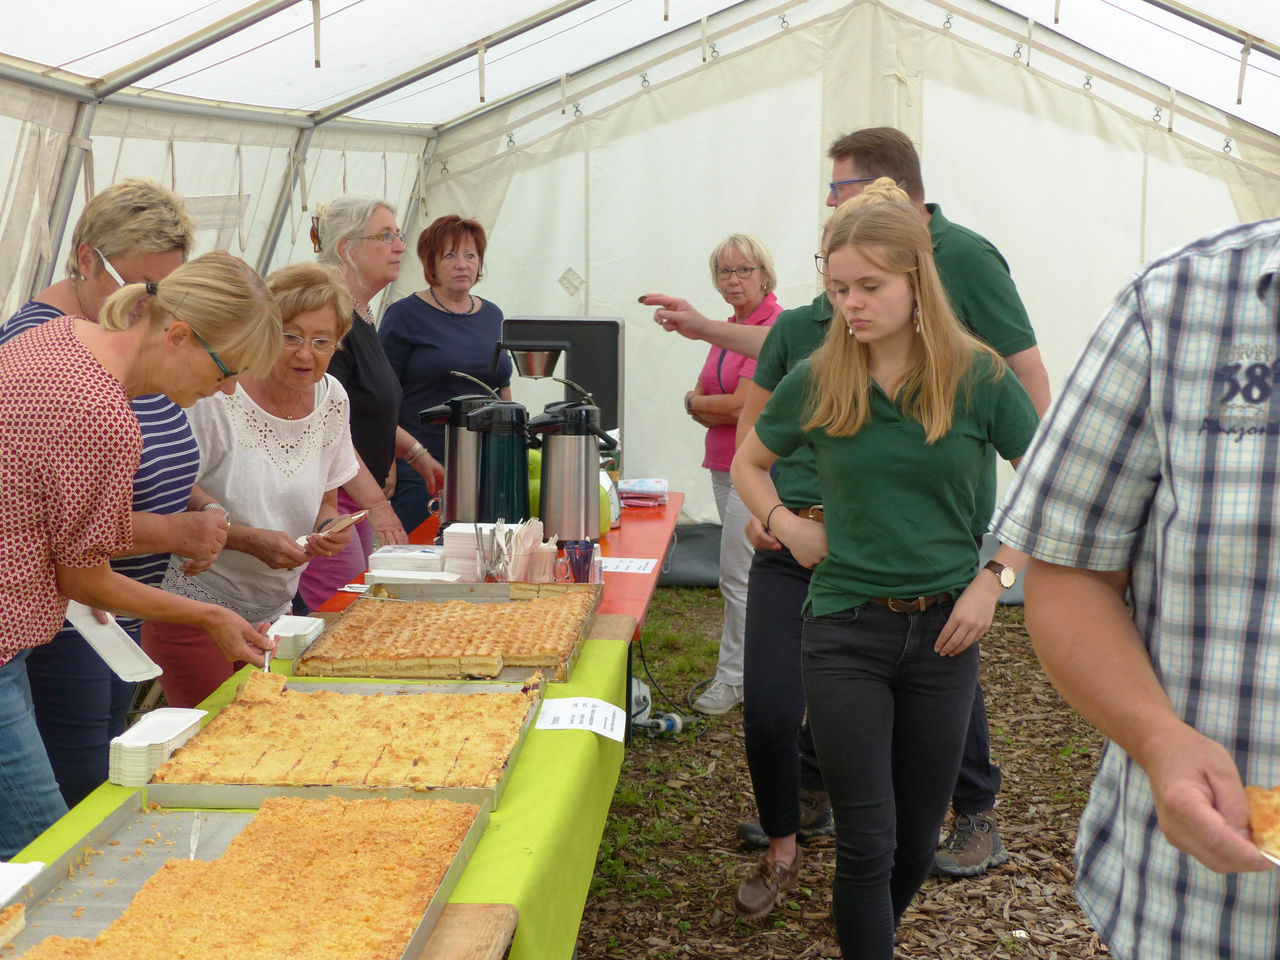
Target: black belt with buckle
(809,513)
(913,605)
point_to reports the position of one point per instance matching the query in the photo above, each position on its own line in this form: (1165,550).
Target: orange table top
(645,533)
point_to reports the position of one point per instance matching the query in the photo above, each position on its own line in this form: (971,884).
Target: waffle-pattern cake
(269,735)
(332,878)
(416,639)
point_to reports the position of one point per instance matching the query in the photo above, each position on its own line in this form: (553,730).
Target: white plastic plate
(112,644)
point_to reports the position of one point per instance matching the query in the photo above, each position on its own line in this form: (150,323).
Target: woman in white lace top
(273,454)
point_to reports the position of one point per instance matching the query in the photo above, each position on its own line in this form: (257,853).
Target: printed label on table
(628,564)
(583,713)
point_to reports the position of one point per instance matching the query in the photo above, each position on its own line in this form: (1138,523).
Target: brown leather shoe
(761,893)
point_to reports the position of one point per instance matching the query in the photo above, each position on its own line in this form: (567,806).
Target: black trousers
(889,719)
(779,746)
(780,753)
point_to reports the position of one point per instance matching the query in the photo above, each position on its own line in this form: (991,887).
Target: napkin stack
(409,556)
(642,493)
(138,752)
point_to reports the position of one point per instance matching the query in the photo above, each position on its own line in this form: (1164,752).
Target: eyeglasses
(320,345)
(222,367)
(837,184)
(724,273)
(386,236)
(111,271)
(820,261)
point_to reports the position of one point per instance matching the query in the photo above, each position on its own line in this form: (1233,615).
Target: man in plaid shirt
(1156,473)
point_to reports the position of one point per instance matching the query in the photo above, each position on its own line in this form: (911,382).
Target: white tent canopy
(607,149)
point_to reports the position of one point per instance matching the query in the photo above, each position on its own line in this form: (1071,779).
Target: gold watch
(1004,573)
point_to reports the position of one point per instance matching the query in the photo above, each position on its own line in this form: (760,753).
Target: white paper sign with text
(583,713)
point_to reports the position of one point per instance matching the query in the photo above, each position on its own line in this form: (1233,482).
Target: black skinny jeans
(889,718)
(779,746)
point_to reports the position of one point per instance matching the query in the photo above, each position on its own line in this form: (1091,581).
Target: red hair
(447,233)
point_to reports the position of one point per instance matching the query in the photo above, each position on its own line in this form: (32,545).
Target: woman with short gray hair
(742,272)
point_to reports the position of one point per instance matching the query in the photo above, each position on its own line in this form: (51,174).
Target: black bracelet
(769,517)
(325,523)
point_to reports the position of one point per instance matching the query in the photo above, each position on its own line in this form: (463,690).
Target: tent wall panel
(34,128)
(1074,190)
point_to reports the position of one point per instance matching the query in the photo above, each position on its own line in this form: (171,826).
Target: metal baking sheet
(85,890)
(223,796)
(483,593)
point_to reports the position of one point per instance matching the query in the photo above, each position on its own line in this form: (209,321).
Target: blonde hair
(219,297)
(889,231)
(753,250)
(302,287)
(129,218)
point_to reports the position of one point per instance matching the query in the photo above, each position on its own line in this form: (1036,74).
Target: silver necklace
(471,306)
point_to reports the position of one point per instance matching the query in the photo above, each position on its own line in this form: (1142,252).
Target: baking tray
(82,892)
(486,593)
(222,796)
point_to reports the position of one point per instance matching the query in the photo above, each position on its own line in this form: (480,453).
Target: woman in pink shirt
(743,273)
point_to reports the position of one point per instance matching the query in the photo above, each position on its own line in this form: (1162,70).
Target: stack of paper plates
(411,576)
(293,634)
(139,751)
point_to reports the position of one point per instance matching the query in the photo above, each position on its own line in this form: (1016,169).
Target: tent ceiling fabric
(365,43)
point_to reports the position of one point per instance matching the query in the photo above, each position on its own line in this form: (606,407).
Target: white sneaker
(718,698)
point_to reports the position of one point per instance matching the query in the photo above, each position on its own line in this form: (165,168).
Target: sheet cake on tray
(351,739)
(333,878)
(495,628)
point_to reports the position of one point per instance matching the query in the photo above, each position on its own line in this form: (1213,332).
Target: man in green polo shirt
(978,282)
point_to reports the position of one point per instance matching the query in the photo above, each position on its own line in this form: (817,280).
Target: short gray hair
(753,250)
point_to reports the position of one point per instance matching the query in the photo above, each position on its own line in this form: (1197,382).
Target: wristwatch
(1004,573)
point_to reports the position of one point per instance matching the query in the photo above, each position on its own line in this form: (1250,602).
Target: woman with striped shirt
(133,232)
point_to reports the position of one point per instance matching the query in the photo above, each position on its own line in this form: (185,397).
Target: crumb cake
(419,639)
(332,878)
(1264,817)
(273,736)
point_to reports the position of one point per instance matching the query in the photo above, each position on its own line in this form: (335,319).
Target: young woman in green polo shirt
(898,406)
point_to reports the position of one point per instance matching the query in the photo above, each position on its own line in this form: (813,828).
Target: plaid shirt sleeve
(1082,493)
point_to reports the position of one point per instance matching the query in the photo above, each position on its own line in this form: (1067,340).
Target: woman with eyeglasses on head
(742,272)
(432,333)
(899,407)
(69,448)
(135,231)
(358,237)
(273,452)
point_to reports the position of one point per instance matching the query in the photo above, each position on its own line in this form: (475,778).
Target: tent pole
(411,213)
(179,49)
(300,147)
(447,60)
(72,162)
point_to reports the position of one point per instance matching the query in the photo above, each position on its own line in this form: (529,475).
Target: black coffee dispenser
(501,429)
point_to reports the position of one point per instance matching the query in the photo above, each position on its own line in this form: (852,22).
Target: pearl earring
(915,317)
(848,329)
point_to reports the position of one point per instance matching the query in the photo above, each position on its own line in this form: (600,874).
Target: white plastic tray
(112,644)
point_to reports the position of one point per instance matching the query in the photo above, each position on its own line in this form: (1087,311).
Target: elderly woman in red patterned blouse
(69,447)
